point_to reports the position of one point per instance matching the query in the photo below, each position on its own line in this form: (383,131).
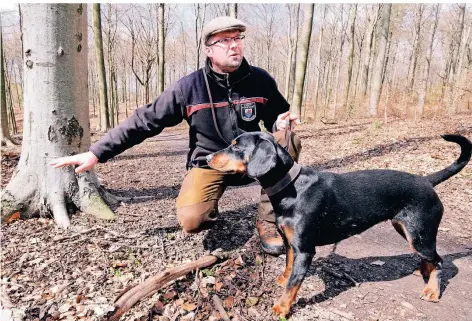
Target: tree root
(90,201)
(129,299)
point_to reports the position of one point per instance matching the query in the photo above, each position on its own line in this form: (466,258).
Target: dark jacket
(241,99)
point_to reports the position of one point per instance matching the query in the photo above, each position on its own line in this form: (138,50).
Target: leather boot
(271,241)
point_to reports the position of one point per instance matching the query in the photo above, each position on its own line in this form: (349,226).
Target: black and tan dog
(317,208)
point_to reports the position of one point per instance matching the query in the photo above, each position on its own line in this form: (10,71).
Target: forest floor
(53,274)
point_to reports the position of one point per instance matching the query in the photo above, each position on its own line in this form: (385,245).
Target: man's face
(225,57)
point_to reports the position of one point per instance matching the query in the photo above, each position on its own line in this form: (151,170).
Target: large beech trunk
(56,119)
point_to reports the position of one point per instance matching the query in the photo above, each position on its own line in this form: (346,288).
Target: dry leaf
(378,263)
(158,307)
(252,300)
(188,306)
(169,295)
(229,302)
(218,286)
(14,217)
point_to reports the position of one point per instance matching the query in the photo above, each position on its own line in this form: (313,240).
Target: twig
(129,299)
(220,308)
(342,275)
(75,235)
(132,198)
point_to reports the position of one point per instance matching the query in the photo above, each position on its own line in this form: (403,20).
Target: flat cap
(220,24)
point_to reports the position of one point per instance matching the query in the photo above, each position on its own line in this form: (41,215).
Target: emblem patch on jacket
(248,111)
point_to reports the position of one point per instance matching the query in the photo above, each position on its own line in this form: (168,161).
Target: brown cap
(221,24)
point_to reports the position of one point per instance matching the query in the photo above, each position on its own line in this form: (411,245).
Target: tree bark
(351,54)
(424,81)
(318,61)
(376,89)
(104,123)
(233,10)
(56,119)
(5,133)
(302,55)
(368,50)
(161,53)
(289,78)
(416,46)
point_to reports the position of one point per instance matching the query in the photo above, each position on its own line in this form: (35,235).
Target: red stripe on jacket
(193,108)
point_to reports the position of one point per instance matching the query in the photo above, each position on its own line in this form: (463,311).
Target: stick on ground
(129,299)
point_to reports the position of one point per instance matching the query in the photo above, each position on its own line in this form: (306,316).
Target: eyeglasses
(228,41)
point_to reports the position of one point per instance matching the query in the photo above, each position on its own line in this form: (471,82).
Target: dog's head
(254,154)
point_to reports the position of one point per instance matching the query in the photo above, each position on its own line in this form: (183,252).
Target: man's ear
(262,160)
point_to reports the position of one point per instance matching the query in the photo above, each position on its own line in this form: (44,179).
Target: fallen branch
(219,306)
(129,299)
(59,239)
(342,275)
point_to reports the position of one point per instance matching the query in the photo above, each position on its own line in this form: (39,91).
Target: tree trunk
(338,63)
(368,50)
(104,123)
(424,82)
(161,53)
(416,46)
(56,120)
(376,89)
(5,133)
(351,55)
(302,55)
(233,10)
(318,61)
(289,82)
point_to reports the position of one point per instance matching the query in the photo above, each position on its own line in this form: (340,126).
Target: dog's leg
(422,240)
(282,279)
(432,291)
(301,263)
(297,268)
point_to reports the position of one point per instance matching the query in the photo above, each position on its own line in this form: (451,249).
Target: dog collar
(287,179)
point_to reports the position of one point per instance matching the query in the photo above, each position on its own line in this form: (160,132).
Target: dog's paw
(280,310)
(430,295)
(281,280)
(417,272)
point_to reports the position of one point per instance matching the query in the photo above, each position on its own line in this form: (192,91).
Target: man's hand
(85,161)
(283,119)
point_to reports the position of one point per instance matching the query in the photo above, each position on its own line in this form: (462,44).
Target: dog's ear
(263,159)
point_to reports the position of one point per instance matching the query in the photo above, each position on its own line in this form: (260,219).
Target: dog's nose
(209,157)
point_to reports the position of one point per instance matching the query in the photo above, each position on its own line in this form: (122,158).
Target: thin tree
(342,38)
(104,122)
(416,46)
(424,81)
(302,55)
(367,54)
(383,27)
(292,51)
(318,60)
(161,52)
(353,15)
(233,10)
(56,118)
(5,133)
(199,22)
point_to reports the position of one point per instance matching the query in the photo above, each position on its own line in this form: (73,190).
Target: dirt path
(80,277)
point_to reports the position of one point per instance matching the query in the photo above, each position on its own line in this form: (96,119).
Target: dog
(315,208)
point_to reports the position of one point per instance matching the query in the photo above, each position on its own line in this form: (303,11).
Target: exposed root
(59,209)
(10,205)
(9,142)
(90,201)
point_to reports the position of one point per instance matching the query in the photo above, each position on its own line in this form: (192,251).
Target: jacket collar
(226,80)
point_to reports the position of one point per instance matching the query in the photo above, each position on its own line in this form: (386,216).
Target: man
(219,102)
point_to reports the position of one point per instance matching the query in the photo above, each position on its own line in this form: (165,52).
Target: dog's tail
(458,165)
